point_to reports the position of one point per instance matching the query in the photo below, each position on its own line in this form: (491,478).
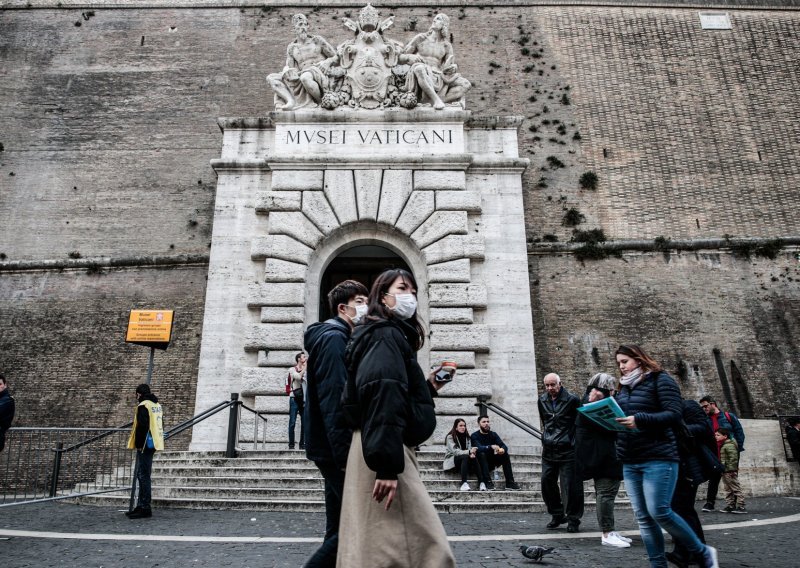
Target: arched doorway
(363,263)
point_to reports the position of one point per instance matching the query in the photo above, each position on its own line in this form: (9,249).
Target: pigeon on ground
(535,553)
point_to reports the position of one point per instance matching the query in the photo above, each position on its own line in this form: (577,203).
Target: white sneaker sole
(620,545)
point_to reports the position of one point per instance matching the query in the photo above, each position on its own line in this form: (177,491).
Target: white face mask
(361,313)
(405,305)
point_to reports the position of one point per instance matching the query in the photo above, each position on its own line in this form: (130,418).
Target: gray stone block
(264,380)
(368,193)
(341,193)
(464,359)
(278,314)
(458,201)
(460,337)
(277,294)
(283,247)
(297,180)
(278,270)
(451,271)
(468,383)
(439,225)
(419,207)
(296,225)
(320,211)
(451,315)
(267,201)
(458,295)
(454,247)
(395,191)
(439,179)
(284,336)
(277,358)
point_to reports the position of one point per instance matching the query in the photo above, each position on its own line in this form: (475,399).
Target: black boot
(140,514)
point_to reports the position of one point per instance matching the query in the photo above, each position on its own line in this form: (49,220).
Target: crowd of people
(368,405)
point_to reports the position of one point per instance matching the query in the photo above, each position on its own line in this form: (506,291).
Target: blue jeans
(650,486)
(294,410)
(145,459)
(325,556)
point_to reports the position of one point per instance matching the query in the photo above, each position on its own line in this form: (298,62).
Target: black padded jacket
(387,396)
(657,406)
(327,435)
(558,425)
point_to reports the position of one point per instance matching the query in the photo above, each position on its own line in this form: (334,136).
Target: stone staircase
(284,480)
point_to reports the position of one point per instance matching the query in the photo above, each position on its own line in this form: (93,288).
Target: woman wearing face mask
(387,516)
(653,406)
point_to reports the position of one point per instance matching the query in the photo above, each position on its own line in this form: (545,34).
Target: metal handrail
(59,451)
(483,405)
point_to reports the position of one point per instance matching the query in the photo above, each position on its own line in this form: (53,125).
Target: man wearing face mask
(327,436)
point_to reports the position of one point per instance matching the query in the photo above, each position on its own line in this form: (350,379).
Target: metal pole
(482,406)
(233,425)
(150,365)
(56,469)
(133,483)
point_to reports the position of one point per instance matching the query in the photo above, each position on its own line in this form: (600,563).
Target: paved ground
(90,537)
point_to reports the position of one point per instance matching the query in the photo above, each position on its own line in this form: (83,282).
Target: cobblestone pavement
(766,537)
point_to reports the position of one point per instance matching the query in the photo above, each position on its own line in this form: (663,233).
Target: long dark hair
(635,352)
(454,430)
(379,310)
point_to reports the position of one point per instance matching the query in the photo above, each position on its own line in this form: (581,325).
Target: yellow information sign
(150,327)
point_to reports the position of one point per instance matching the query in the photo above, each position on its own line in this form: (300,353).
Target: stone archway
(451,210)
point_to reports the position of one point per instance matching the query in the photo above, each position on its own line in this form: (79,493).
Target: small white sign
(715,21)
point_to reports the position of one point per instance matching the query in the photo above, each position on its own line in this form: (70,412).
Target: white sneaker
(614,540)
(482,487)
(465,486)
(619,536)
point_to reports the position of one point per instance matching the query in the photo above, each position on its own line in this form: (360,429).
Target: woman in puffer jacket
(648,449)
(388,519)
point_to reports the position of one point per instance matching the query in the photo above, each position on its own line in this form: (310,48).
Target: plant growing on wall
(573,218)
(588,180)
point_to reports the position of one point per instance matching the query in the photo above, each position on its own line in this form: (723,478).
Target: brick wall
(62,343)
(108,128)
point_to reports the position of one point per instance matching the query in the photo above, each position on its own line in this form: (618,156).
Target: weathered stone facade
(108,130)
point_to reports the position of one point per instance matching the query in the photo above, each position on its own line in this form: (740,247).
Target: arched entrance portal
(363,263)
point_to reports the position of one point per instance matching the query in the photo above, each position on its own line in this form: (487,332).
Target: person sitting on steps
(491,452)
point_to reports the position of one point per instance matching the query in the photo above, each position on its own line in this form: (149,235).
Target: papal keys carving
(369,70)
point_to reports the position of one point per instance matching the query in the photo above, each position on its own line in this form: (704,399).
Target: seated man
(491,453)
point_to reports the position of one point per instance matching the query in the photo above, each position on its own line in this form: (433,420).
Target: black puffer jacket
(595,449)
(387,396)
(327,435)
(558,425)
(699,426)
(657,406)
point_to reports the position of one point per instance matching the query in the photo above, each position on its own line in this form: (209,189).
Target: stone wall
(108,129)
(62,343)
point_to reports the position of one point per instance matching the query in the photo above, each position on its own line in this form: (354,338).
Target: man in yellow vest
(147,437)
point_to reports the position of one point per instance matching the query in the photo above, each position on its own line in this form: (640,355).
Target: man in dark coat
(492,452)
(558,410)
(7,409)
(793,436)
(730,422)
(327,435)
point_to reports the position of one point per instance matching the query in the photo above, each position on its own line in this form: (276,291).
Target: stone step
(516,506)
(520,463)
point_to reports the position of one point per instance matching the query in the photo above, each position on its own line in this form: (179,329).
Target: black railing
(39,463)
(483,405)
(783,423)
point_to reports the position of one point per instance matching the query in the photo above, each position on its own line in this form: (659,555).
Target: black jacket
(558,425)
(6,415)
(484,441)
(387,396)
(699,427)
(327,435)
(657,406)
(143,420)
(595,449)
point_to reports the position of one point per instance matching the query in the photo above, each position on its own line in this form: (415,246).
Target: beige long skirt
(409,534)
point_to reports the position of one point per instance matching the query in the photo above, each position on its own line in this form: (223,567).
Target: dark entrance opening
(363,263)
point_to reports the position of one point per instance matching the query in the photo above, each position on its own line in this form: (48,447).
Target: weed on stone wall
(573,218)
(592,248)
(588,180)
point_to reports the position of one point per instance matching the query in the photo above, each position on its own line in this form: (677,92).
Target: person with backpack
(147,437)
(730,422)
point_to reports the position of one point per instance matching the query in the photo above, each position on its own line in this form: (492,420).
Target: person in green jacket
(729,456)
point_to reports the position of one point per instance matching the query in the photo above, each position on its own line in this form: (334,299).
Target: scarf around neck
(633,378)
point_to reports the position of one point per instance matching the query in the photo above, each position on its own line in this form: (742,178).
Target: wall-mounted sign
(715,21)
(152,328)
